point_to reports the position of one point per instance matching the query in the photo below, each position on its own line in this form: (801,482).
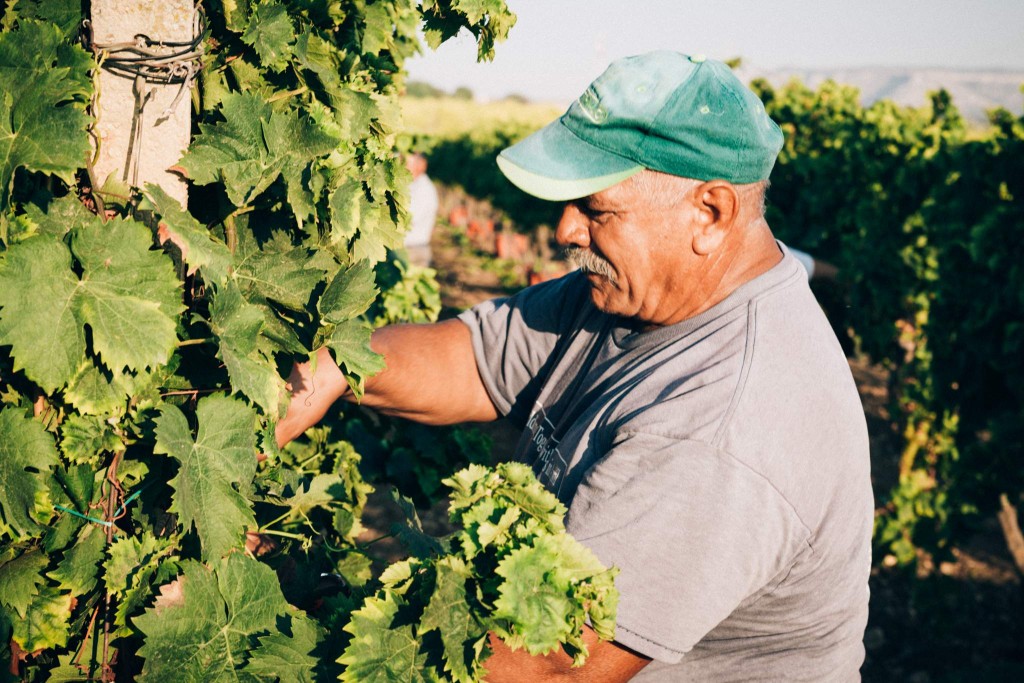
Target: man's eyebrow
(596,205)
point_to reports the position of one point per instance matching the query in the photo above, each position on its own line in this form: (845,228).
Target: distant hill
(974,92)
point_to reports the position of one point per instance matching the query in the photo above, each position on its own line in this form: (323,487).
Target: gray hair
(665,190)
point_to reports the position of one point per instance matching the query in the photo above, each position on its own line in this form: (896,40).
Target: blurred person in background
(422,211)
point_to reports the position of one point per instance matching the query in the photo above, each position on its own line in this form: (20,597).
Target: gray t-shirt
(721,463)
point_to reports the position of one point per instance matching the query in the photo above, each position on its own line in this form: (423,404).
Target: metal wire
(151,62)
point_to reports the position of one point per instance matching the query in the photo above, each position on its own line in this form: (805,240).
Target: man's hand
(313,391)
(608,662)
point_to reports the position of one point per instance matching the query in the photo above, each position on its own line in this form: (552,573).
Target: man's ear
(717,204)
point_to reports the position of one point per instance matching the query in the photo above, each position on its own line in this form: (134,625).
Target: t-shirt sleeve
(693,531)
(514,340)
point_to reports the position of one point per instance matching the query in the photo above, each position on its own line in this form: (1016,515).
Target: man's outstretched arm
(608,662)
(431,377)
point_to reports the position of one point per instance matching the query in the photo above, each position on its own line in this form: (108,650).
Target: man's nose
(572,228)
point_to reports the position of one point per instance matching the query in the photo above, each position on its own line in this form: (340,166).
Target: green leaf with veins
(222,454)
(378,28)
(84,438)
(126,555)
(349,294)
(27,455)
(46,621)
(77,570)
(203,625)
(250,148)
(347,204)
(92,393)
(287,277)
(270,32)
(61,216)
(447,612)
(199,248)
(41,267)
(350,342)
(128,295)
(377,233)
(66,14)
(286,658)
(381,649)
(20,579)
(237,324)
(43,92)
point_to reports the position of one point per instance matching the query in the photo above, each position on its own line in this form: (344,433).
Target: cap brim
(556,165)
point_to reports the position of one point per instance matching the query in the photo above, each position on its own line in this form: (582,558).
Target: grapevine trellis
(151,526)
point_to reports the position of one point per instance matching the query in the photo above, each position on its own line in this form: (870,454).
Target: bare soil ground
(957,620)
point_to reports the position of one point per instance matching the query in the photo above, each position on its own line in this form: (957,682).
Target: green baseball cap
(683,115)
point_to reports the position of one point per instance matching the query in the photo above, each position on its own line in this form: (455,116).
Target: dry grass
(447,117)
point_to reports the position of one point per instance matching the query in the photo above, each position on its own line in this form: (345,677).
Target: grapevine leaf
(20,579)
(203,625)
(222,454)
(46,621)
(271,34)
(39,269)
(85,438)
(286,658)
(131,297)
(77,570)
(448,612)
(350,342)
(199,248)
(238,323)
(233,151)
(377,233)
(127,295)
(355,568)
(92,393)
(61,216)
(382,649)
(537,605)
(287,277)
(349,294)
(346,204)
(249,149)
(313,492)
(66,14)
(378,27)
(27,455)
(42,98)
(237,13)
(131,567)
(126,555)
(410,530)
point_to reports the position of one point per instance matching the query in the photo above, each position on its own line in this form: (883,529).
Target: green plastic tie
(76,513)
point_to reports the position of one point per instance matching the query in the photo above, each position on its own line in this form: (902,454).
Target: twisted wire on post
(151,62)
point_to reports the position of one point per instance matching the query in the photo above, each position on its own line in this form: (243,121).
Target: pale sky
(558,47)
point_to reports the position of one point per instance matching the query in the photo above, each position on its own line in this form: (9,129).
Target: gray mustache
(589,262)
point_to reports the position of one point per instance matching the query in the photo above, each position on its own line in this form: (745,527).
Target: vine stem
(77,661)
(190,392)
(363,546)
(283,534)
(263,528)
(286,95)
(196,342)
(116,493)
(230,230)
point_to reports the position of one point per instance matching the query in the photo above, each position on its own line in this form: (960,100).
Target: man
(682,393)
(422,211)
